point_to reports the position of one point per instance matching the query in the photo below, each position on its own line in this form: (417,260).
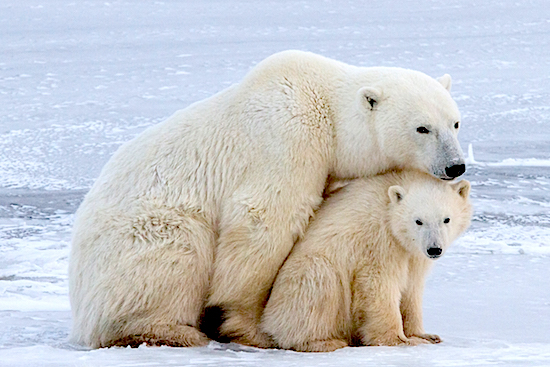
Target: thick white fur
(357,276)
(203,208)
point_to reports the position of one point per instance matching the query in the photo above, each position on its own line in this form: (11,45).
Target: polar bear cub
(357,275)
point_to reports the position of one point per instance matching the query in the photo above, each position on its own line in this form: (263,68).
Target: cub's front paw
(414,340)
(430,338)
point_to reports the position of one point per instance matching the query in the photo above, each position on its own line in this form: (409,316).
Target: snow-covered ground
(78,78)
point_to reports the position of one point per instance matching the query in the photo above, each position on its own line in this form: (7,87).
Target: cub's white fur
(357,276)
(202,209)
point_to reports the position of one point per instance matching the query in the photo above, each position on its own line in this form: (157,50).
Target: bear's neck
(356,146)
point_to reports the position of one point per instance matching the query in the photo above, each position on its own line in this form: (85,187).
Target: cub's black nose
(456,170)
(434,252)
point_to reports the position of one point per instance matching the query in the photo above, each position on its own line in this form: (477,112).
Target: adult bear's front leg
(251,248)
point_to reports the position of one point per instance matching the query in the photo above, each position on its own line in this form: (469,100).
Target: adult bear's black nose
(456,170)
(434,252)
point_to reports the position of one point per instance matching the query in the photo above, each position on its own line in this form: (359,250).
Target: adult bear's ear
(445,81)
(396,194)
(462,188)
(369,97)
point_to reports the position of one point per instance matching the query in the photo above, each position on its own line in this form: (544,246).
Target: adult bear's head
(403,119)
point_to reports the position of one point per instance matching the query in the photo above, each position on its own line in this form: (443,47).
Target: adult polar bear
(202,209)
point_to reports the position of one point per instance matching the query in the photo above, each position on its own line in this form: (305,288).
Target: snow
(77,79)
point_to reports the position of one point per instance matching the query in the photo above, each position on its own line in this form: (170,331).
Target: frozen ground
(79,78)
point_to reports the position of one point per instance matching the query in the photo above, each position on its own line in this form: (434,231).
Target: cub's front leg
(376,312)
(411,307)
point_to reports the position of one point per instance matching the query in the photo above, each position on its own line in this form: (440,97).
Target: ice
(532,162)
(77,79)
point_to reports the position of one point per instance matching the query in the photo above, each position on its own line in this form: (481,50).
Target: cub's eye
(457,125)
(422,130)
(419,222)
(446,220)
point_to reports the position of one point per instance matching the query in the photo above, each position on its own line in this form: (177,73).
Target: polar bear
(357,275)
(201,210)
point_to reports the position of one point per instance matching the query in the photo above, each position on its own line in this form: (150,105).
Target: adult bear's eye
(446,220)
(422,130)
(457,124)
(419,222)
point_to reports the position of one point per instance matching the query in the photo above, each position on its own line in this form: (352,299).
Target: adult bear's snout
(455,171)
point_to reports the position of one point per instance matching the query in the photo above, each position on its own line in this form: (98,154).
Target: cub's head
(409,121)
(427,215)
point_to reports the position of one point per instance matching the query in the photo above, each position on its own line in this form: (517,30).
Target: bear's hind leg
(158,295)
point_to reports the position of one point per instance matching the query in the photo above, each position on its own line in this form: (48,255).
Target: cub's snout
(434,252)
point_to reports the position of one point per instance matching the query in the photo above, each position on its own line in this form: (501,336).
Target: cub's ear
(396,194)
(445,81)
(462,188)
(369,97)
